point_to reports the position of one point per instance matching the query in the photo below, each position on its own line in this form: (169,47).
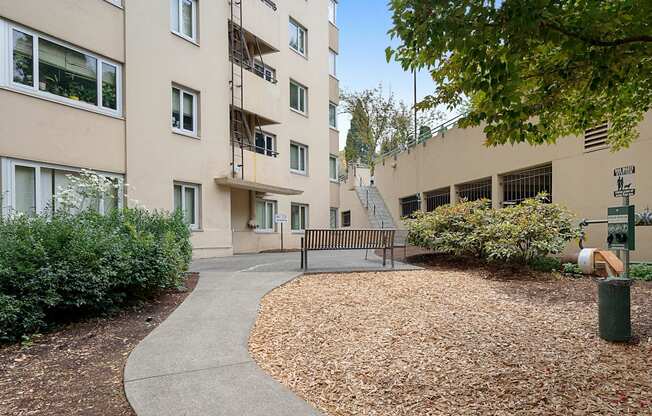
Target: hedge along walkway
(450,342)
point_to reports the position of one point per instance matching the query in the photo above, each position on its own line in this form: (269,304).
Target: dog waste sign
(624,181)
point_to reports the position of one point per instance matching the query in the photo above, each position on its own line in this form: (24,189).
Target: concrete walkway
(197,362)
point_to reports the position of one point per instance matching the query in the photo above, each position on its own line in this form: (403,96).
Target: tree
(534,70)
(379,123)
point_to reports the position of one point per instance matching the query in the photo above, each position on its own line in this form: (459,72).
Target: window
(298,158)
(186,199)
(346,219)
(265,211)
(30,188)
(332,11)
(527,183)
(184,109)
(333,219)
(596,138)
(298,97)
(298,37)
(183,18)
(54,70)
(332,63)
(299,217)
(409,205)
(116,2)
(332,115)
(438,198)
(332,168)
(474,191)
(265,71)
(265,144)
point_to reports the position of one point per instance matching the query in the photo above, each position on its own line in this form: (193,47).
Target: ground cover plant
(74,261)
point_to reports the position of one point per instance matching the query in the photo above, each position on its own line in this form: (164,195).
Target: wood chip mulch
(77,370)
(448,341)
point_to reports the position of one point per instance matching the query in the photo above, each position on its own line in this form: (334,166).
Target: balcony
(260,98)
(255,12)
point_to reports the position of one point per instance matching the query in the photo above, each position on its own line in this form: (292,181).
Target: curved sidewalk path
(197,362)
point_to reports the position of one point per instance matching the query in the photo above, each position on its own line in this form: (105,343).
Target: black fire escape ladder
(239,54)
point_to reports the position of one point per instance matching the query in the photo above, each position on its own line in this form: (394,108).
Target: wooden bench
(347,239)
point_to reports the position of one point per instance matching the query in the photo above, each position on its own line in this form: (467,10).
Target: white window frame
(302,150)
(332,12)
(197,224)
(337,168)
(7,79)
(265,71)
(332,105)
(305,208)
(266,135)
(335,211)
(8,184)
(179,32)
(299,28)
(195,115)
(269,204)
(332,63)
(300,87)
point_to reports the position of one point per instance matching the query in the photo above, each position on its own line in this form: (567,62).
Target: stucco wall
(581,181)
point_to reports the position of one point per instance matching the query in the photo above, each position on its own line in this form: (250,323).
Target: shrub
(67,264)
(641,271)
(572,269)
(451,229)
(545,264)
(524,233)
(529,230)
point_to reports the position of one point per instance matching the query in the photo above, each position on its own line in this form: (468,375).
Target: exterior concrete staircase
(377,212)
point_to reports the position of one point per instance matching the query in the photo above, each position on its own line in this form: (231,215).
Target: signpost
(281,219)
(614,293)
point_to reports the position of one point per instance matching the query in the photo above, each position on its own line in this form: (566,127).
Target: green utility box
(614,309)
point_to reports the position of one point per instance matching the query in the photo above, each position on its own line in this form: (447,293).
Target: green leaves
(535,70)
(85,263)
(521,233)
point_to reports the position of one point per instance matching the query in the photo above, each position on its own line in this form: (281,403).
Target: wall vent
(596,138)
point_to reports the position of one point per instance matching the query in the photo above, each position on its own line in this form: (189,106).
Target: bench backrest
(348,239)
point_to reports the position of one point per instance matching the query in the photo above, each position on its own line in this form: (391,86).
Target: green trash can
(614,309)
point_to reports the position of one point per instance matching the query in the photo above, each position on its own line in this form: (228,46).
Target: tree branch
(597,42)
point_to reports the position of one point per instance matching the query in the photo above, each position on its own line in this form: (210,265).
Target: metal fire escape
(242,133)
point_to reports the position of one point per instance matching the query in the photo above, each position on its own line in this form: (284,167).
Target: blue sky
(361,62)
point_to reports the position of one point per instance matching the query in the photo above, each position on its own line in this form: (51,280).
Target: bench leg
(384,256)
(392,253)
(305,260)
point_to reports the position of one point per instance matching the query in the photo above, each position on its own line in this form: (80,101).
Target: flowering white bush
(86,190)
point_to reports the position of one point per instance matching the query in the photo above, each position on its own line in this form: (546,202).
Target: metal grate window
(346,219)
(474,191)
(526,183)
(596,138)
(438,198)
(409,205)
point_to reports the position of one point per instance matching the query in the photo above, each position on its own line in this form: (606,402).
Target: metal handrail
(270,3)
(253,148)
(416,140)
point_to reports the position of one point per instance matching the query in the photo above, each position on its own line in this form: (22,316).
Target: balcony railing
(256,149)
(270,4)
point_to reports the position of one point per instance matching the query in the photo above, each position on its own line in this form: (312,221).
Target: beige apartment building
(578,172)
(225,110)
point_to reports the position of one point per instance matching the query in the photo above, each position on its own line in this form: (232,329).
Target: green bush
(451,229)
(545,264)
(523,233)
(641,271)
(572,269)
(67,264)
